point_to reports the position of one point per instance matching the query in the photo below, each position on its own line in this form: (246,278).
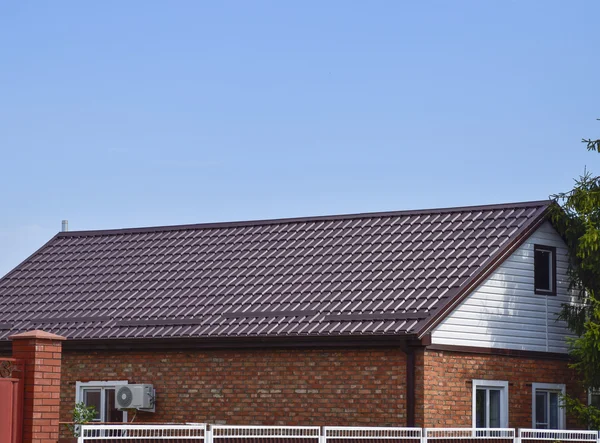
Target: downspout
(410,386)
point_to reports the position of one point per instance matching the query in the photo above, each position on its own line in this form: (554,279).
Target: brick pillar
(41,353)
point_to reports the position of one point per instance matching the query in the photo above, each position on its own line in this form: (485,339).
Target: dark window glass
(101,398)
(595,399)
(553,410)
(111,413)
(547,410)
(494,408)
(92,397)
(541,418)
(543,270)
(480,408)
(488,407)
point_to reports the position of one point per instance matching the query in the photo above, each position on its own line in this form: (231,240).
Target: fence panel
(556,435)
(265,434)
(469,435)
(355,434)
(142,433)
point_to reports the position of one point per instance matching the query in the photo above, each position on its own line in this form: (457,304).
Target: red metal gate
(11,400)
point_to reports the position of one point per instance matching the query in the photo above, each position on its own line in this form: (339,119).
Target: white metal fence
(142,433)
(337,433)
(196,433)
(345,434)
(441,435)
(253,434)
(555,435)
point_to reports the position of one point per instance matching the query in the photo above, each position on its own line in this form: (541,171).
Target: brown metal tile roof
(366,274)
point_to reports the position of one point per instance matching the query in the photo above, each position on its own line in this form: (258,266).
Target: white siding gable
(503,312)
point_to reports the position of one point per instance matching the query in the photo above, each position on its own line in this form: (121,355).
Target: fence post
(423,435)
(208,434)
(517,435)
(80,437)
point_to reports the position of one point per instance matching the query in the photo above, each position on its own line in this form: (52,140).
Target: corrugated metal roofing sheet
(381,273)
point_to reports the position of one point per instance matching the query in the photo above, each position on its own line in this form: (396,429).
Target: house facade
(442,317)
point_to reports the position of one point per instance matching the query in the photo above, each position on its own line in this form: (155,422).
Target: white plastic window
(547,412)
(490,404)
(101,395)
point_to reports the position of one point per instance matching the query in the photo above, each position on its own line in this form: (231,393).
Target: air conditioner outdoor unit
(135,397)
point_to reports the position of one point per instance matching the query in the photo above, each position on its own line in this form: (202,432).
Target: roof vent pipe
(65,226)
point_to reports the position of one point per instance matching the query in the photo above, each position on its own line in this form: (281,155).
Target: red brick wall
(284,387)
(314,387)
(447,389)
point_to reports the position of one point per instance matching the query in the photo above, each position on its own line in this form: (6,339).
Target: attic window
(545,269)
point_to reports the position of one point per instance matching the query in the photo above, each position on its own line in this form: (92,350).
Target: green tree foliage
(576,215)
(82,414)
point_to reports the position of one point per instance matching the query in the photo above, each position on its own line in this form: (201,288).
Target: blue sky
(139,113)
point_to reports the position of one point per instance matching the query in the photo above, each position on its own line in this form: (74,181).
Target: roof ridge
(275,221)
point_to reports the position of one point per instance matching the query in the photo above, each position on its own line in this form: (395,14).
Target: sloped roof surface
(380,273)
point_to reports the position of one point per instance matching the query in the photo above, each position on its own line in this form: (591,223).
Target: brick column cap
(36,334)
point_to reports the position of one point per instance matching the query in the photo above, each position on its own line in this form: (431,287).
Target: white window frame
(495,384)
(551,387)
(80,386)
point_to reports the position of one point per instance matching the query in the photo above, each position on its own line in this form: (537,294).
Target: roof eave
(152,344)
